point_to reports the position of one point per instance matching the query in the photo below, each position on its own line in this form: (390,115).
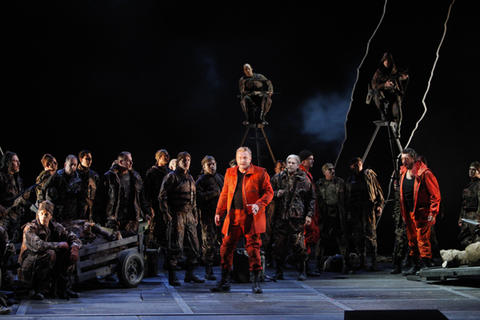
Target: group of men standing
(304,214)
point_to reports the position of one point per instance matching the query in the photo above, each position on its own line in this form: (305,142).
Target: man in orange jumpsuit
(245,194)
(419,205)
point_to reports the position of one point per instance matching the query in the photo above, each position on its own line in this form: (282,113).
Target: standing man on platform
(419,204)
(178,205)
(312,231)
(255,88)
(153,183)
(90,181)
(209,185)
(331,204)
(245,194)
(364,204)
(294,207)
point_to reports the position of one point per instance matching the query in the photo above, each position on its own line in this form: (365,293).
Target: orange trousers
(229,243)
(418,239)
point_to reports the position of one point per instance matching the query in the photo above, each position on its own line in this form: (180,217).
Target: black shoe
(302,275)
(224,283)
(209,273)
(190,277)
(278,275)
(396,269)
(428,262)
(35,295)
(256,282)
(5,310)
(173,280)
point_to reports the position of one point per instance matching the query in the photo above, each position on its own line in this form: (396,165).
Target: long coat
(256,189)
(426,195)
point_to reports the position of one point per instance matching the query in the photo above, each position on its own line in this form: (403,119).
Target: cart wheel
(130,269)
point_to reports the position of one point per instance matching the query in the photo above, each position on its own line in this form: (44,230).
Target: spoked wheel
(130,269)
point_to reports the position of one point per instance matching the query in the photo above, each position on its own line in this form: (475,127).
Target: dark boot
(278,275)
(224,283)
(363,262)
(256,282)
(397,266)
(172,278)
(64,290)
(191,277)
(302,274)
(428,263)
(209,273)
(413,270)
(373,261)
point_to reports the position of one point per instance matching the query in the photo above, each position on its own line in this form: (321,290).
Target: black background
(139,76)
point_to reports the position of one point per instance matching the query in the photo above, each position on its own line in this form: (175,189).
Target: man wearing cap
(153,183)
(294,197)
(312,231)
(470,206)
(364,204)
(48,249)
(179,207)
(245,194)
(419,204)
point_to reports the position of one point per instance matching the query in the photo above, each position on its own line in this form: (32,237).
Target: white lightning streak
(431,74)
(356,80)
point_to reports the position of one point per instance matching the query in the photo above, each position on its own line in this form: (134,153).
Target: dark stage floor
(325,297)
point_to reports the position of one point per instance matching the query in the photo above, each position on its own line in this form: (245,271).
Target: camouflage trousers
(331,228)
(364,227)
(209,238)
(38,267)
(467,231)
(289,232)
(184,240)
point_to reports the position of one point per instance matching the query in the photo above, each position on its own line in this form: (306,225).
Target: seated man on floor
(48,250)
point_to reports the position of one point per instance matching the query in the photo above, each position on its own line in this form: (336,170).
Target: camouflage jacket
(257,82)
(208,191)
(364,190)
(37,239)
(471,199)
(178,193)
(11,186)
(298,200)
(331,198)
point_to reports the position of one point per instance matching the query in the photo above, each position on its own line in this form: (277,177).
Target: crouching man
(48,251)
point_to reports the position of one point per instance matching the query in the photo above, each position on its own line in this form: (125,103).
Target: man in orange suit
(419,205)
(245,194)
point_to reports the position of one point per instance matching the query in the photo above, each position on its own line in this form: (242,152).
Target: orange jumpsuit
(256,189)
(426,202)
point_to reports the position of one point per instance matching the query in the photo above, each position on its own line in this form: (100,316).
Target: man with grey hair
(294,197)
(245,194)
(65,190)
